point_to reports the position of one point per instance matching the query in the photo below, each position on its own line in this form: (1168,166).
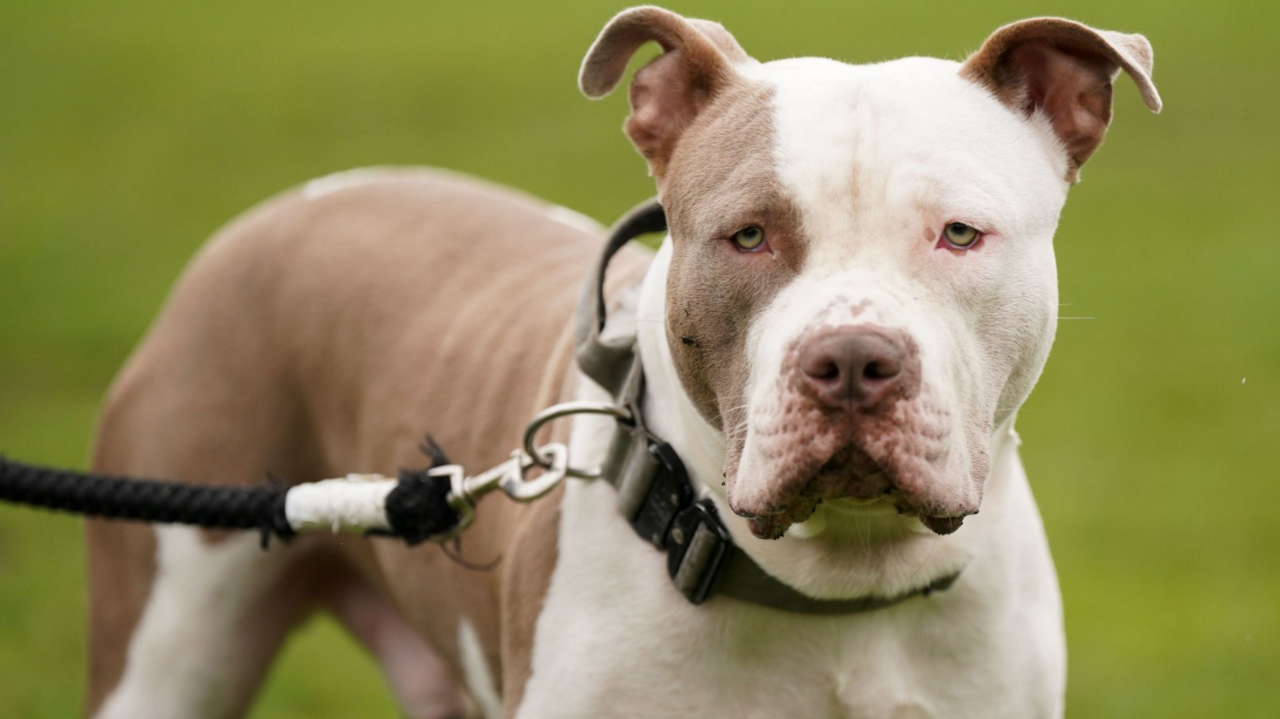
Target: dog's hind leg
(185,622)
(217,612)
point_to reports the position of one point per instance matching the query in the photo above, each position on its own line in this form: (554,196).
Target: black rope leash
(112,497)
(416,509)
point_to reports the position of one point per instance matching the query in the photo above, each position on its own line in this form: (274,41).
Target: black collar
(655,494)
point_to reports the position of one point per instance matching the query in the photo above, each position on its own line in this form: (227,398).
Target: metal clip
(465,492)
(517,487)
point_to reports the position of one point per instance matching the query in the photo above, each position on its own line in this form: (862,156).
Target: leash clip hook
(509,476)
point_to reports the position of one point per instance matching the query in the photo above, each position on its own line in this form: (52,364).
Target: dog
(856,294)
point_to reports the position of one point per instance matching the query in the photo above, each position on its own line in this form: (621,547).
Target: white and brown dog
(857,293)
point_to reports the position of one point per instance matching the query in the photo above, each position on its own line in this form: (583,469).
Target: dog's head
(862,281)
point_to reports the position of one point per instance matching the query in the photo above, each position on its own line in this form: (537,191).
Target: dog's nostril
(881,370)
(821,365)
(825,371)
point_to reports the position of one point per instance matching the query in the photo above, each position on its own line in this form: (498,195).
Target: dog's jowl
(856,294)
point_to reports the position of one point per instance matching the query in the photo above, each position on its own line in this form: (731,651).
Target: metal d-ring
(564,410)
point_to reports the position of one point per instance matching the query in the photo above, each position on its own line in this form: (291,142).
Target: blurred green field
(130,131)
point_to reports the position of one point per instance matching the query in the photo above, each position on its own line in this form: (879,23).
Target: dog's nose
(855,368)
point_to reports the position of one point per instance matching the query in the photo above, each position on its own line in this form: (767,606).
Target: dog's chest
(616,640)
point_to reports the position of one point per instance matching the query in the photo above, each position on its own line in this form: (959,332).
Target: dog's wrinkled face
(862,283)
(857,352)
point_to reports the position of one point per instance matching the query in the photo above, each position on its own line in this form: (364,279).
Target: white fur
(475,671)
(574,219)
(319,187)
(616,640)
(338,181)
(181,660)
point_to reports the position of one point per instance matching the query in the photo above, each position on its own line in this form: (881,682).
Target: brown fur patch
(724,179)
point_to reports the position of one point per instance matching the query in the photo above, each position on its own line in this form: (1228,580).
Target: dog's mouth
(853,482)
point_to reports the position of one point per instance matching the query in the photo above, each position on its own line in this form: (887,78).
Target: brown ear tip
(1141,46)
(1139,49)
(591,84)
(606,60)
(642,16)
(1142,42)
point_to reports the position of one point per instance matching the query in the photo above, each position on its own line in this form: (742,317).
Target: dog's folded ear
(667,94)
(1063,69)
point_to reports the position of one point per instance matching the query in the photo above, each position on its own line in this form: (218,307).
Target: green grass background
(130,131)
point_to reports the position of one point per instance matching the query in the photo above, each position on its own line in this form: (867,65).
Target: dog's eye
(749,239)
(960,234)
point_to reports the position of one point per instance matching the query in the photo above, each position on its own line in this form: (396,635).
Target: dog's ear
(667,94)
(1063,69)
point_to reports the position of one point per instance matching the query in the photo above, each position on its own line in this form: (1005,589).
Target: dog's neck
(909,558)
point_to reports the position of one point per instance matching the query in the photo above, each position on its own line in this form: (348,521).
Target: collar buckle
(653,486)
(698,548)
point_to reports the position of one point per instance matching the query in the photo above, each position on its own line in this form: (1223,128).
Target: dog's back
(327,332)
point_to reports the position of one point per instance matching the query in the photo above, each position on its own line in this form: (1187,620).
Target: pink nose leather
(852,369)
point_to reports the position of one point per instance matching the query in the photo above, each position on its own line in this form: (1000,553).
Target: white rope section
(357,502)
